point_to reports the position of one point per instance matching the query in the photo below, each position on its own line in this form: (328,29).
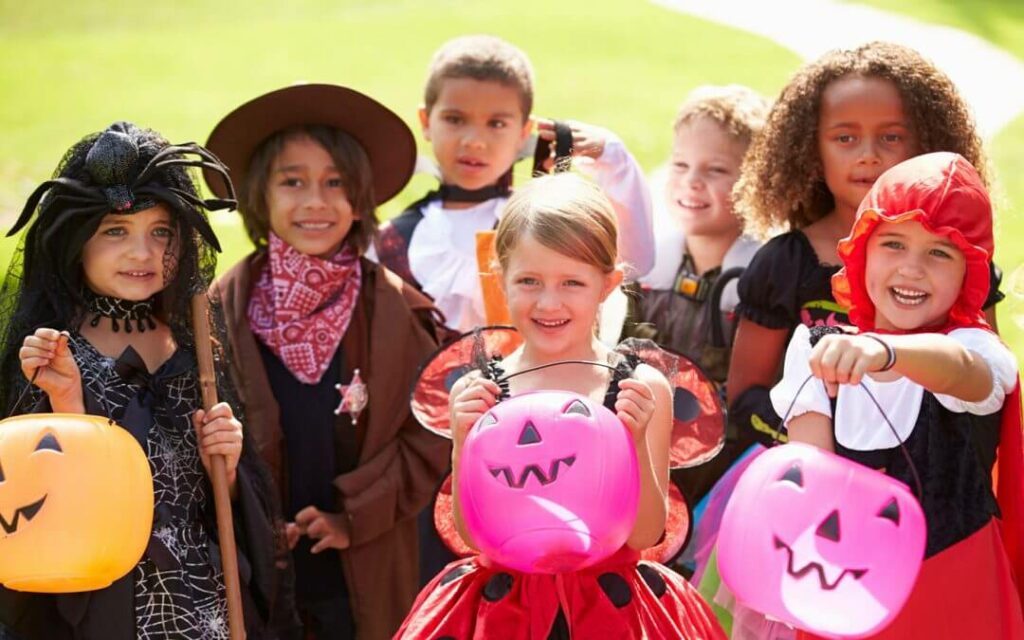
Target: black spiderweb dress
(178,586)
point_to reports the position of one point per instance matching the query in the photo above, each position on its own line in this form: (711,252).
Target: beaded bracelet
(889,351)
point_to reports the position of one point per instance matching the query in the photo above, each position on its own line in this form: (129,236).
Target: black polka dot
(616,588)
(445,638)
(497,587)
(653,579)
(685,406)
(454,375)
(455,574)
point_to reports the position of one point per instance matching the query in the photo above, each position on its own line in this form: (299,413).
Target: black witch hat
(115,183)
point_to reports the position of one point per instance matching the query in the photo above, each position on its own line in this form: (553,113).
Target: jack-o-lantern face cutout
(548,482)
(24,513)
(544,473)
(76,502)
(821,542)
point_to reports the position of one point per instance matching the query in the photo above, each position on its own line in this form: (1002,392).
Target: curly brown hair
(782,179)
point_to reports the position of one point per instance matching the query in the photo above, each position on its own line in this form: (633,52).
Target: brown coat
(400,463)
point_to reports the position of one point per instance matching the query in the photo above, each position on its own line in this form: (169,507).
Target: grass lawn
(70,68)
(179,65)
(1002,23)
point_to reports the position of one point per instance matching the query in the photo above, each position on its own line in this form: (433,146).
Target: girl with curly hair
(838,125)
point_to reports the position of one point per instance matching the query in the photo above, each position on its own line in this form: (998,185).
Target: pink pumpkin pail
(548,482)
(821,542)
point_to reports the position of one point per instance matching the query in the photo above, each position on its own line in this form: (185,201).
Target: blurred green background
(69,68)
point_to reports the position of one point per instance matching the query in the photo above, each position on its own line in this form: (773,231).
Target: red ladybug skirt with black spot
(620,598)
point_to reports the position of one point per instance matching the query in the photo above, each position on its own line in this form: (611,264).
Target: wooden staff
(218,469)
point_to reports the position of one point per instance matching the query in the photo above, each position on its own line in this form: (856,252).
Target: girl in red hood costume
(915,276)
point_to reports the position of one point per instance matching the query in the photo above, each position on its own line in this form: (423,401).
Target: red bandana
(301,306)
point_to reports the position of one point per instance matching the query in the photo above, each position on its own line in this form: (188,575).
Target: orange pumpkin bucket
(76,502)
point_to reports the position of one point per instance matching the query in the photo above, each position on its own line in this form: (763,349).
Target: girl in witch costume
(556,249)
(100,323)
(915,277)
(326,345)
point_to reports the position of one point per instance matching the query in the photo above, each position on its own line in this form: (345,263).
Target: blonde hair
(739,110)
(564,213)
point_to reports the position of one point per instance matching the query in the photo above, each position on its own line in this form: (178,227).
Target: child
(556,248)
(476,115)
(916,273)
(308,314)
(101,325)
(838,124)
(713,129)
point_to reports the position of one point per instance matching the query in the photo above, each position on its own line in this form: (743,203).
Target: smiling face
(705,165)
(565,466)
(129,255)
(913,276)
(821,542)
(306,201)
(862,131)
(477,128)
(553,299)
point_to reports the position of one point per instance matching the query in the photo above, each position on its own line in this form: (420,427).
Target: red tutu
(620,598)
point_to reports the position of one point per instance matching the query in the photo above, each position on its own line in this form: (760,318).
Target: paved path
(991,79)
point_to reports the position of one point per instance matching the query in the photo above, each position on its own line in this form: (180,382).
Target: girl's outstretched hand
(471,397)
(219,433)
(330,530)
(634,406)
(47,352)
(845,358)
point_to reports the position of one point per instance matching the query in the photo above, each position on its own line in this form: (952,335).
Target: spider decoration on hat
(109,162)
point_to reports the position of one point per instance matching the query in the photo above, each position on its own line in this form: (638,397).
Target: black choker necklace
(455,193)
(139,311)
(452,193)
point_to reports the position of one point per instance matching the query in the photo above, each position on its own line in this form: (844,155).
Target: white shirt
(442,249)
(442,258)
(857,423)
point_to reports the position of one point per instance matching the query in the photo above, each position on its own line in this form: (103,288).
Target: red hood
(946,195)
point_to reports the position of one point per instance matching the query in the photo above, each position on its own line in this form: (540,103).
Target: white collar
(859,425)
(442,258)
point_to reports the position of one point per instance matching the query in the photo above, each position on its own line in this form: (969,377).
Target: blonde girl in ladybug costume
(556,249)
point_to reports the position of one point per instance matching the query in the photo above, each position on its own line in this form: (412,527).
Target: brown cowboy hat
(387,140)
